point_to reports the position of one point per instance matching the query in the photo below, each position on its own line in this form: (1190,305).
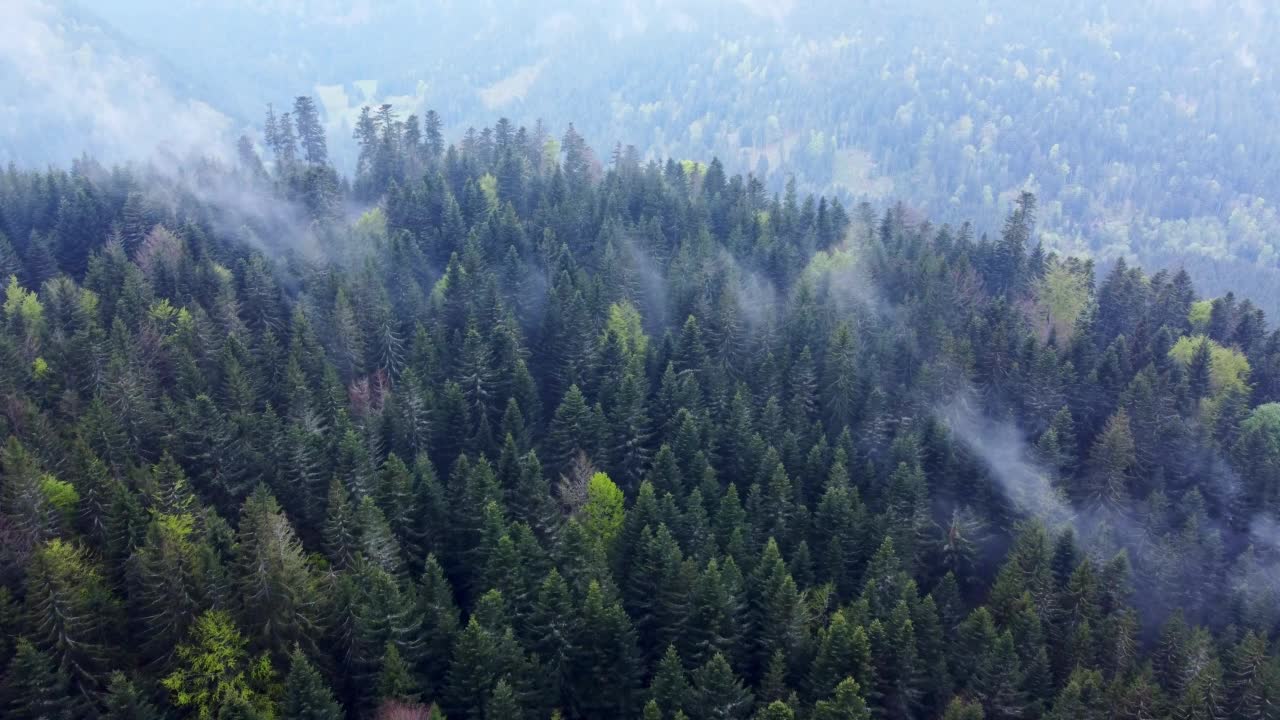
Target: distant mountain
(1144,127)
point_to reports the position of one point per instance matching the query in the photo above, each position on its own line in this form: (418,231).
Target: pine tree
(718,694)
(473,493)
(884,580)
(712,627)
(998,680)
(384,613)
(36,688)
(341,527)
(959,709)
(310,132)
(776,710)
(1251,679)
(803,386)
(472,672)
(629,432)
(842,650)
(274,581)
(502,703)
(840,383)
(306,695)
(669,688)
(1110,461)
(532,503)
(70,611)
(657,593)
(846,703)
(1204,697)
(169,585)
(378,544)
(440,623)
(775,608)
(124,701)
(553,629)
(572,430)
(395,682)
(1083,697)
(605,647)
(23,501)
(215,670)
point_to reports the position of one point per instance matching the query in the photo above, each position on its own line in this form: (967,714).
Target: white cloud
(69,89)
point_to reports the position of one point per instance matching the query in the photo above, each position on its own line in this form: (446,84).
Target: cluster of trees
(1145,129)
(1114,116)
(539,435)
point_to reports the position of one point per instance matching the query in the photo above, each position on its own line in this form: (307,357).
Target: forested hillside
(1144,127)
(504,430)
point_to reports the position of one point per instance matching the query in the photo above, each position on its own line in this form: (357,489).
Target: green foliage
(124,701)
(846,703)
(23,308)
(60,494)
(602,515)
(626,323)
(275,584)
(215,670)
(395,682)
(717,694)
(1199,315)
(958,709)
(1229,367)
(372,224)
(502,704)
(70,611)
(36,688)
(306,695)
(1065,293)
(789,471)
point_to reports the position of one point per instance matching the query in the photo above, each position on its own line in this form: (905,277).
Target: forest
(1145,127)
(502,428)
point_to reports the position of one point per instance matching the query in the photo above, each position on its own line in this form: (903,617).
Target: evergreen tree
(605,647)
(310,132)
(669,689)
(274,581)
(395,682)
(845,704)
(124,701)
(718,694)
(503,704)
(70,612)
(215,670)
(440,622)
(169,584)
(306,695)
(36,688)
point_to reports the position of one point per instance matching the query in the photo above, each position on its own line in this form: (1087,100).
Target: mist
(75,88)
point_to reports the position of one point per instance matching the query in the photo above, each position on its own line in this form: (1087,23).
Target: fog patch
(1001,448)
(88,96)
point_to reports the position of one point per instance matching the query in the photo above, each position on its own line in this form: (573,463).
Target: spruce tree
(846,703)
(717,693)
(36,688)
(306,695)
(124,701)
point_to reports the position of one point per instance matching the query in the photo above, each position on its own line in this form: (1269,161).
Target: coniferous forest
(498,428)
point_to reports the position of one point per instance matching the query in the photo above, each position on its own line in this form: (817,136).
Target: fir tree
(306,695)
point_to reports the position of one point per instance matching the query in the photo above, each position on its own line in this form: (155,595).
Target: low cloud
(71,88)
(1001,448)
